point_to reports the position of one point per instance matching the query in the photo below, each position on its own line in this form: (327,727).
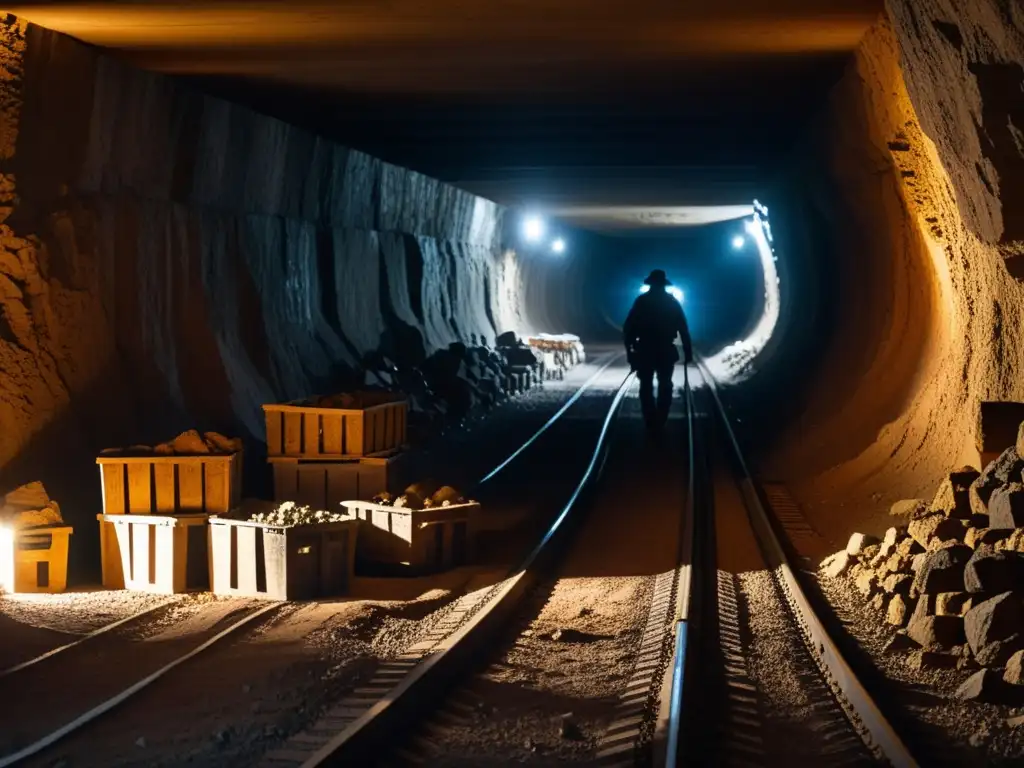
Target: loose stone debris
(949,575)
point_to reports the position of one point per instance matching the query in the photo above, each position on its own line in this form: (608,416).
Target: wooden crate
(301,562)
(34,559)
(165,554)
(307,432)
(171,485)
(325,484)
(424,540)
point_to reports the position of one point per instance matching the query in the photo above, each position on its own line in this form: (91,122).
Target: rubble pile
(424,495)
(29,506)
(465,378)
(949,575)
(189,443)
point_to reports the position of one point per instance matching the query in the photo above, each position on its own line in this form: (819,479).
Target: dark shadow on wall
(1001,135)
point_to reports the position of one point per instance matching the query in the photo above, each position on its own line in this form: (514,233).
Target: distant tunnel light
(738,242)
(673,290)
(533,228)
(558,246)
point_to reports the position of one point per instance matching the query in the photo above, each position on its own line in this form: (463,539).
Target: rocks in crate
(188,443)
(30,505)
(289,514)
(423,495)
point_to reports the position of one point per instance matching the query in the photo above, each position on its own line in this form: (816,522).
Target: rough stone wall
(929,319)
(962,62)
(168,260)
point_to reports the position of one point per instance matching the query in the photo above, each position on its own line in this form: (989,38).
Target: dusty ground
(552,693)
(34,624)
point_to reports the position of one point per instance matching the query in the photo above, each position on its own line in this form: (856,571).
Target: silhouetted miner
(650,333)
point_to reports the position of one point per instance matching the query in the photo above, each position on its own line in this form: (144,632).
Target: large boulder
(1003,470)
(935,633)
(1006,507)
(942,571)
(934,526)
(994,572)
(985,685)
(993,629)
(952,499)
(898,611)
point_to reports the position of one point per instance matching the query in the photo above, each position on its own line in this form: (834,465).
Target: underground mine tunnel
(257,260)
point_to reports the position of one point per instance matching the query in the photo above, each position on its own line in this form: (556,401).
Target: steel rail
(361,740)
(568,404)
(88,636)
(864,713)
(114,701)
(673,700)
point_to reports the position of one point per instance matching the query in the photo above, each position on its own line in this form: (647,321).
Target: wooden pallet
(307,432)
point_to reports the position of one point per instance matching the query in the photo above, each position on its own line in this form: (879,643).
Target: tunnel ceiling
(610,113)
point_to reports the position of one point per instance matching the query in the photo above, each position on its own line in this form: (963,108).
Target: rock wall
(928,319)
(168,260)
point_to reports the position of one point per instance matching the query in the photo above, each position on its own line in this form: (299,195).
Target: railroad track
(693,650)
(46,673)
(846,726)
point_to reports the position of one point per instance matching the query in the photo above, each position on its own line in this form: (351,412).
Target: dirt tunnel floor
(549,696)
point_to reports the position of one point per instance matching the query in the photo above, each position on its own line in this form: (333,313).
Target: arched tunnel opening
(210,208)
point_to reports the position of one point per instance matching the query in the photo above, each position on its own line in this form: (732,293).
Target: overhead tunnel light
(738,242)
(533,228)
(558,246)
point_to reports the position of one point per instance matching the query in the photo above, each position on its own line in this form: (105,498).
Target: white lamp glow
(558,246)
(533,228)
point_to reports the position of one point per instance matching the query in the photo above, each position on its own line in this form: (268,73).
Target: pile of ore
(424,495)
(28,506)
(950,576)
(462,379)
(189,443)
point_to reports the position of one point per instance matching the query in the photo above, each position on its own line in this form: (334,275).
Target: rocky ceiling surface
(597,109)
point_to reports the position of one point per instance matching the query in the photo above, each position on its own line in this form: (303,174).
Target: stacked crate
(322,456)
(153,530)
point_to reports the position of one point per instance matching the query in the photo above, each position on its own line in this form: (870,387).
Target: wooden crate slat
(311,434)
(292,433)
(353,435)
(140,500)
(165,480)
(113,488)
(333,434)
(217,482)
(275,432)
(190,486)
(342,483)
(245,558)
